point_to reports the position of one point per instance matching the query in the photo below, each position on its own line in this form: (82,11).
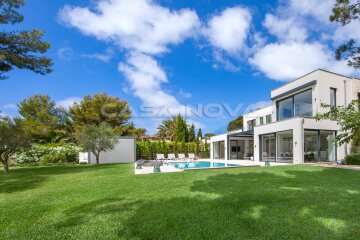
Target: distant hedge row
(148,150)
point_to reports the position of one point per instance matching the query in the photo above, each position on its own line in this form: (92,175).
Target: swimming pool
(200,165)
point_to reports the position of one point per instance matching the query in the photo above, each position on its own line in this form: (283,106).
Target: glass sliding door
(219,150)
(310,146)
(268,147)
(319,145)
(327,146)
(237,148)
(284,146)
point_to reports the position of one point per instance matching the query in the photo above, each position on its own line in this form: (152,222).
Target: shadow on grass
(320,204)
(25,178)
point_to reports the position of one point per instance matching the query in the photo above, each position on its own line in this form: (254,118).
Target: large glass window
(319,146)
(332,97)
(303,104)
(268,147)
(297,105)
(284,145)
(285,109)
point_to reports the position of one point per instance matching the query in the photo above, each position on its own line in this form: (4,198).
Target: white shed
(124,152)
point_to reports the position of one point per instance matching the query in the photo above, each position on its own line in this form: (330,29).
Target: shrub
(352,159)
(48,153)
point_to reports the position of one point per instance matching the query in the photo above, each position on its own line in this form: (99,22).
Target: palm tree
(166,129)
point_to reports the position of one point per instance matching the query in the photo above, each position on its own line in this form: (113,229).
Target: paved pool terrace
(168,168)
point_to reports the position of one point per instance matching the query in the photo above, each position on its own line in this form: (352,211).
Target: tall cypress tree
(191,133)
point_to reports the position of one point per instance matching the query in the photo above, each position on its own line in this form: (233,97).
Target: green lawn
(110,202)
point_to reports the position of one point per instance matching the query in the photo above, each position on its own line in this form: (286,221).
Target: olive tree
(12,140)
(97,139)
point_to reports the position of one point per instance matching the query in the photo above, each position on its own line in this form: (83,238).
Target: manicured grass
(110,202)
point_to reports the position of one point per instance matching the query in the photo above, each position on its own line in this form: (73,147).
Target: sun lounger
(171,156)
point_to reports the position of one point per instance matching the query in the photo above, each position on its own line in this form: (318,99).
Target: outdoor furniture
(267,163)
(138,165)
(192,156)
(247,156)
(181,156)
(171,156)
(156,169)
(148,163)
(160,157)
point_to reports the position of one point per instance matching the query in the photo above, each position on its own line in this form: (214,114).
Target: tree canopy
(235,124)
(93,110)
(348,118)
(42,120)
(21,49)
(344,12)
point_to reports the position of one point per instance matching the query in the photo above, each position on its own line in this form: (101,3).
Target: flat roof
(319,69)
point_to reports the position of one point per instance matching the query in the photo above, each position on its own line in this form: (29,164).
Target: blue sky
(175,54)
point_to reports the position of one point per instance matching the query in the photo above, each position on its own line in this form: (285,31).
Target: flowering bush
(48,153)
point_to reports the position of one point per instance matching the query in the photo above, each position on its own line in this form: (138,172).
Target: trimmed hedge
(352,159)
(148,150)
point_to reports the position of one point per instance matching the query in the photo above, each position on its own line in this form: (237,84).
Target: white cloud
(104,57)
(286,61)
(65,53)
(146,77)
(184,94)
(144,29)
(9,110)
(285,29)
(319,9)
(140,25)
(347,32)
(229,30)
(68,102)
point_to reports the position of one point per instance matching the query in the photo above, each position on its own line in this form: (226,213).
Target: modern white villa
(287,131)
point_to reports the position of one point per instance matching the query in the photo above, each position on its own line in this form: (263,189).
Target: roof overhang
(249,133)
(294,90)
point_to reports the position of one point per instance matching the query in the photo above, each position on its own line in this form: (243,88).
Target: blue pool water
(200,164)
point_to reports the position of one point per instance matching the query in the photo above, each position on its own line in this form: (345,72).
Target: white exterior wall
(124,152)
(263,112)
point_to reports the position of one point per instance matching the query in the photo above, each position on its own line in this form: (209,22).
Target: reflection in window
(284,146)
(285,109)
(268,147)
(297,105)
(303,104)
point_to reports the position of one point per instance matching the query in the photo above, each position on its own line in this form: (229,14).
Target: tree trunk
(97,158)
(6,166)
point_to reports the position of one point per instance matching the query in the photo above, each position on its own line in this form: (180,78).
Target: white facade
(293,134)
(124,152)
